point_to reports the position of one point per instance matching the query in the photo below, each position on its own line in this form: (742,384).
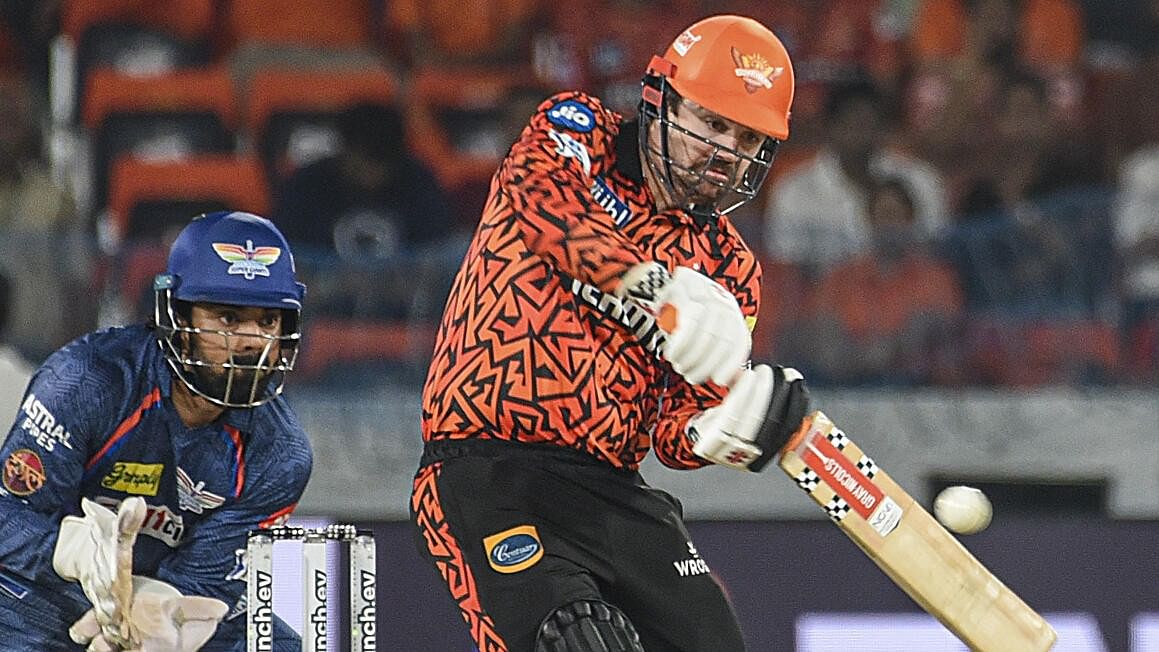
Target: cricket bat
(913,549)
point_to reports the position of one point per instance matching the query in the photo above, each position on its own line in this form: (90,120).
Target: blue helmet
(235,259)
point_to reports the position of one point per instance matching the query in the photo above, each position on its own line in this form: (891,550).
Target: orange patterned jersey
(534,346)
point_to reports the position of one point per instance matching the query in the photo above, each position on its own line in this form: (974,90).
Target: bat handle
(798,436)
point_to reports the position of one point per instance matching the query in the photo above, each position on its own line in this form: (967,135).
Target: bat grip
(798,436)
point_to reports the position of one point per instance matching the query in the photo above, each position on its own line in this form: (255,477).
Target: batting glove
(708,338)
(764,407)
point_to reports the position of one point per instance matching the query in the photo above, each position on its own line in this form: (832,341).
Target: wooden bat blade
(912,548)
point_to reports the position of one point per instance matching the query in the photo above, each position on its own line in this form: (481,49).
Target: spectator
(1018,252)
(963,50)
(15,371)
(818,212)
(1136,218)
(372,199)
(372,203)
(40,235)
(30,201)
(886,314)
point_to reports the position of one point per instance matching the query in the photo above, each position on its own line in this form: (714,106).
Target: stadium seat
(137,266)
(1037,353)
(784,290)
(141,37)
(464,120)
(148,198)
(185,18)
(462,32)
(331,345)
(290,114)
(332,24)
(168,116)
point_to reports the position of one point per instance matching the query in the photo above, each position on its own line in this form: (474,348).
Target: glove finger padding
(86,630)
(174,624)
(710,339)
(788,405)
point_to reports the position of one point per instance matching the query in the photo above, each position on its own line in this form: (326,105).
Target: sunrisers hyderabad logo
(755,71)
(23,473)
(248,261)
(513,550)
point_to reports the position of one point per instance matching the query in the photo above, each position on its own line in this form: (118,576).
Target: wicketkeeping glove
(97,551)
(707,334)
(764,407)
(159,620)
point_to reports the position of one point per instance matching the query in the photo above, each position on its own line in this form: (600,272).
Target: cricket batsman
(603,309)
(142,456)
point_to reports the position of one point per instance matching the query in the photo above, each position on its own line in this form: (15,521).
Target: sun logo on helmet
(248,261)
(755,71)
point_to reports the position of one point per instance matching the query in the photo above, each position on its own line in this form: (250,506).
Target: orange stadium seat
(289,114)
(784,291)
(166,116)
(333,343)
(136,36)
(1053,33)
(146,197)
(1034,353)
(331,24)
(184,18)
(463,120)
(460,31)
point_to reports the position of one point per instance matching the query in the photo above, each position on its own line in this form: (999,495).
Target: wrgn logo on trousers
(514,549)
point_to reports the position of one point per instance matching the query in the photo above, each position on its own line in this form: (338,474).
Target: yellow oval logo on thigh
(514,549)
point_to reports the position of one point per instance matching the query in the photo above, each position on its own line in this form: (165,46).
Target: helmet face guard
(238,382)
(234,259)
(732,67)
(746,172)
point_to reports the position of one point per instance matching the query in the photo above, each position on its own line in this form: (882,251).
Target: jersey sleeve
(209,563)
(544,188)
(70,401)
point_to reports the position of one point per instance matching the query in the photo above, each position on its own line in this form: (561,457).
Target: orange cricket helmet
(736,67)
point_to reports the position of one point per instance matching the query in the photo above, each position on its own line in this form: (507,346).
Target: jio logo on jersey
(514,549)
(572,115)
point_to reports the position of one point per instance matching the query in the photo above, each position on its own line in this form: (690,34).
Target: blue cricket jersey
(98,421)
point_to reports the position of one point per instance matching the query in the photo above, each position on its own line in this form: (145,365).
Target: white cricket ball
(964,510)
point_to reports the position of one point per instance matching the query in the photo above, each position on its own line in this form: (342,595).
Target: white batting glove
(97,551)
(707,334)
(160,620)
(726,434)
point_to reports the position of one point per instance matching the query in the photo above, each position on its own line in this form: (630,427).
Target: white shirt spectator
(1136,215)
(817,215)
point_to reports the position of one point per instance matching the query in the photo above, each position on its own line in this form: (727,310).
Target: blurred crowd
(969,197)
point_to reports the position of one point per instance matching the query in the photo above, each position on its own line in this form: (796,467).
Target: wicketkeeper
(142,456)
